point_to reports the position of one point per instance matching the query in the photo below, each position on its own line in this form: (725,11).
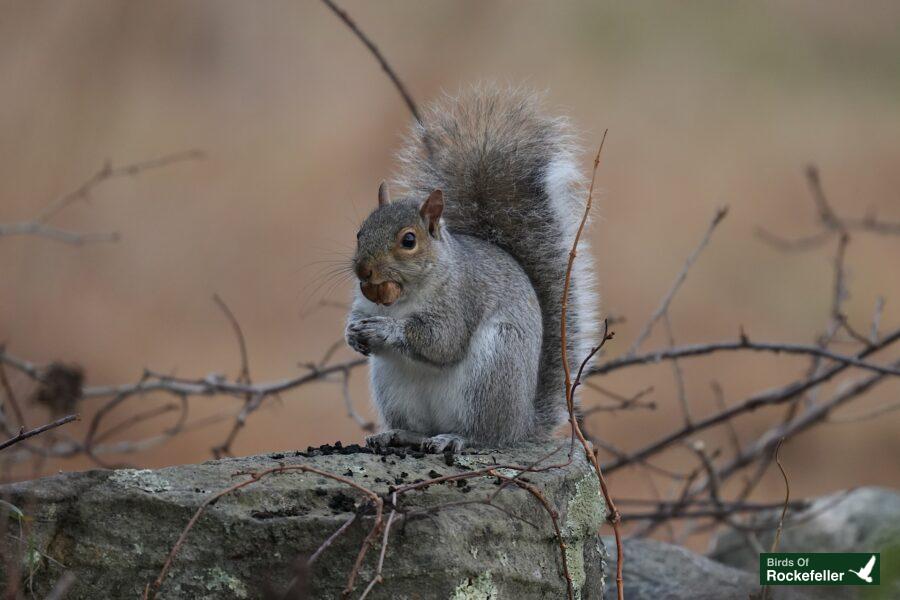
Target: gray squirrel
(461,279)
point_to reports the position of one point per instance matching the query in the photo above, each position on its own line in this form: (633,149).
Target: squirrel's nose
(364,272)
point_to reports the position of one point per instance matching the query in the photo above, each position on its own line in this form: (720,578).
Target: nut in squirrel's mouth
(385,293)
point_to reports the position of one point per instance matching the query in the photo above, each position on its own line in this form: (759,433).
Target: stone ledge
(114,529)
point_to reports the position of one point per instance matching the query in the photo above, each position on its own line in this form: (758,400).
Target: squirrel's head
(397,245)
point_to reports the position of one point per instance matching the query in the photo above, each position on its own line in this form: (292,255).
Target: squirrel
(461,280)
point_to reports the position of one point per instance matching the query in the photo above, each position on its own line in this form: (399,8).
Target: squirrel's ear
(431,210)
(384,195)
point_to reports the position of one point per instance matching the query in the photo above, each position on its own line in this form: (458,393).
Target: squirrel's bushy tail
(509,176)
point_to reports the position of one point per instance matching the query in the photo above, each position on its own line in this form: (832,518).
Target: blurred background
(707,104)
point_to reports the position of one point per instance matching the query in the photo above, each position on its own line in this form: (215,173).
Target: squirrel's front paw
(371,334)
(356,341)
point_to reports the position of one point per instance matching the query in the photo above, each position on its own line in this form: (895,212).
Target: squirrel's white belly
(431,399)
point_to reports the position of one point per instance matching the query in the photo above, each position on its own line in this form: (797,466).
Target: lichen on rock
(114,529)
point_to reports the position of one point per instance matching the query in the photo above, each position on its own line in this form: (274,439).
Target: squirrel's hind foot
(395,437)
(445,442)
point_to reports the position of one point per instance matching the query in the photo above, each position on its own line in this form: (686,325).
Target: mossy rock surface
(114,529)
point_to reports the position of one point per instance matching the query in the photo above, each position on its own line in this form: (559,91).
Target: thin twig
(802,422)
(377,578)
(743,344)
(719,396)
(679,279)
(554,518)
(385,66)
(340,531)
(244,376)
(830,222)
(677,373)
(39,225)
(769,398)
(10,394)
(24,435)
(152,588)
(251,402)
(876,320)
(625,402)
(364,424)
(787,498)
(570,386)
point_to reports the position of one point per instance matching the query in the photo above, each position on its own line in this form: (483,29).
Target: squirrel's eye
(409,240)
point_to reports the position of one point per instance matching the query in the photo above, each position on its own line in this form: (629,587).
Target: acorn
(385,293)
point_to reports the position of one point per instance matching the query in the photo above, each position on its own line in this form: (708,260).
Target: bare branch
(769,398)
(384,544)
(152,588)
(181,388)
(392,75)
(830,222)
(554,518)
(364,424)
(787,496)
(56,234)
(742,344)
(572,386)
(10,396)
(811,416)
(624,402)
(209,386)
(251,401)
(340,531)
(24,435)
(787,499)
(39,225)
(679,279)
(719,396)
(677,373)
(244,376)
(876,320)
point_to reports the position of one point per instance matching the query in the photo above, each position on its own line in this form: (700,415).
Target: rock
(658,571)
(114,529)
(861,520)
(864,519)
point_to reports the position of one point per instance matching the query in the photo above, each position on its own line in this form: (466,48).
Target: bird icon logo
(866,572)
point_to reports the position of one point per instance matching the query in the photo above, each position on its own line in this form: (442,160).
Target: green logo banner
(820,568)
